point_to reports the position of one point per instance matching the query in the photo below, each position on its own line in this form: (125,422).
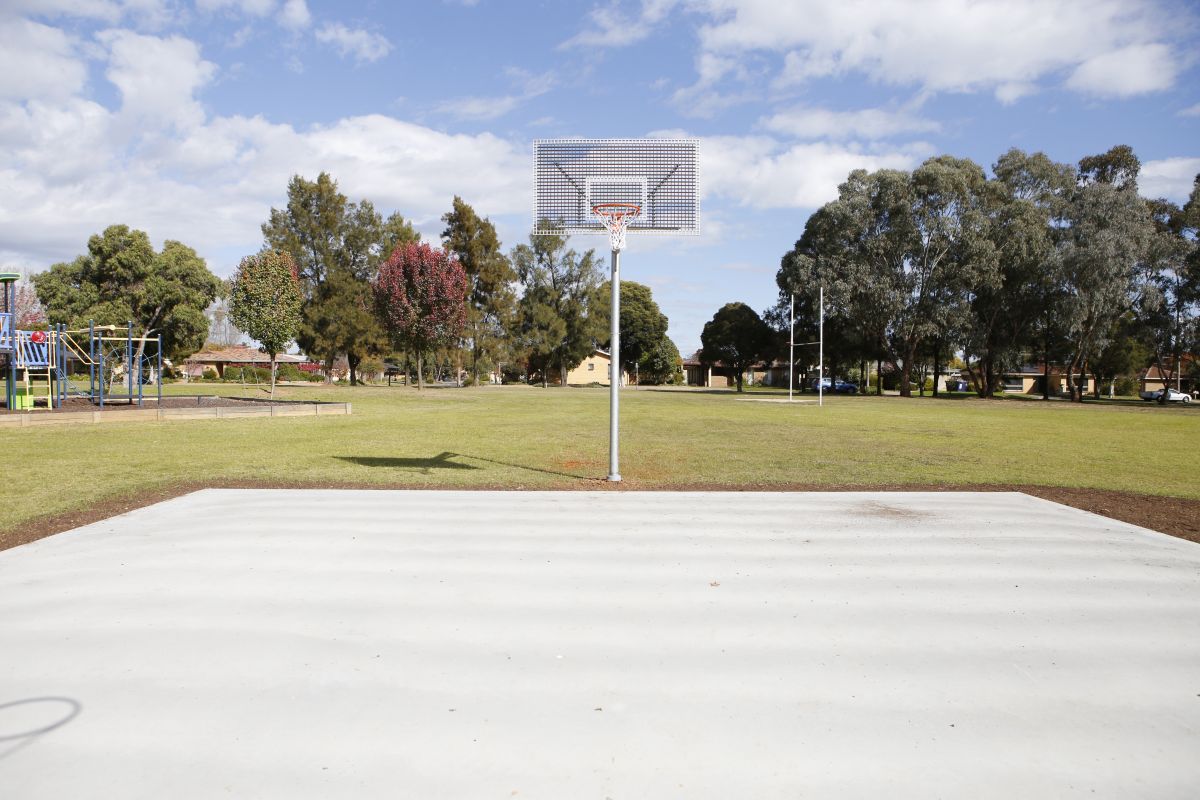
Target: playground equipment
(38,364)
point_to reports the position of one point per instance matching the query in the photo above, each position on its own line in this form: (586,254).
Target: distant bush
(247,375)
(1128,386)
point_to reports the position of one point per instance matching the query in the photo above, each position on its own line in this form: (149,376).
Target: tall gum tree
(893,250)
(559,319)
(1106,238)
(491,299)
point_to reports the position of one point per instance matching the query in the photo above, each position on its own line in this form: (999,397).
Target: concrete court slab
(410,644)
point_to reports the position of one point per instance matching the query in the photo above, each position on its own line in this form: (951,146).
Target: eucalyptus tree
(1107,235)
(1169,304)
(1025,204)
(559,318)
(896,252)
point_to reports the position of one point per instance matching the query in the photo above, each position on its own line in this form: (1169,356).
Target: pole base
(615,477)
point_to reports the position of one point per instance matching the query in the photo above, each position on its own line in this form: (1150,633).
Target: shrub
(247,375)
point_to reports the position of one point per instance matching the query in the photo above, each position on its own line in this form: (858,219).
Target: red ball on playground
(38,337)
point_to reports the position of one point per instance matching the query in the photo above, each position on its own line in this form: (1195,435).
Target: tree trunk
(988,375)
(738,379)
(562,374)
(937,365)
(272,376)
(420,370)
(1072,387)
(879,377)
(353,361)
(905,377)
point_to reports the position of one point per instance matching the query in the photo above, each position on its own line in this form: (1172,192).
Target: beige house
(594,369)
(1028,380)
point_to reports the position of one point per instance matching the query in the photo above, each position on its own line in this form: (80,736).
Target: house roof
(241,354)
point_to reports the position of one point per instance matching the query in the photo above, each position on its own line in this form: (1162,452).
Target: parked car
(1172,396)
(835,387)
(957,385)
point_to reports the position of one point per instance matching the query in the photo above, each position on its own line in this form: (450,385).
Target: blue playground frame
(45,358)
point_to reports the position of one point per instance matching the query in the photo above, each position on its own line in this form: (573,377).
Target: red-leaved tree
(420,293)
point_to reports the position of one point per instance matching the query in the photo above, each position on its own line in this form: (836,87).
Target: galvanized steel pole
(791,346)
(614,397)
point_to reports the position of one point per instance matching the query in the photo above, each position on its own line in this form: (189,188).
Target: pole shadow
(23,722)
(442,461)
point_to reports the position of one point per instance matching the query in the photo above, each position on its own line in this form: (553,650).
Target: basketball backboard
(573,176)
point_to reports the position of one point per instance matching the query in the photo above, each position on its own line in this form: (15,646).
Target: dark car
(836,387)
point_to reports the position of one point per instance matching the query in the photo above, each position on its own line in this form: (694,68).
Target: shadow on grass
(442,461)
(528,468)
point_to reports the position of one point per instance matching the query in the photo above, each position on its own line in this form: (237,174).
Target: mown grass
(557,438)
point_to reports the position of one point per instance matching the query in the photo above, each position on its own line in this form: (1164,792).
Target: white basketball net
(616,217)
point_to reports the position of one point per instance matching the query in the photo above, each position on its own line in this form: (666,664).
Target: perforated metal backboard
(658,175)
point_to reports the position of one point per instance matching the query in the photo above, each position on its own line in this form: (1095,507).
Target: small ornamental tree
(265,302)
(420,294)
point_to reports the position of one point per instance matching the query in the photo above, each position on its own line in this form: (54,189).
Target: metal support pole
(129,363)
(791,346)
(821,346)
(158,375)
(614,396)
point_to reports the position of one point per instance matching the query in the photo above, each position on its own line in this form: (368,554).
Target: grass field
(557,438)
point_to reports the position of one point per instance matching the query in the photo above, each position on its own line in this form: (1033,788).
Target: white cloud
(1004,46)
(609,26)
(868,123)
(482,108)
(1132,70)
(760,172)
(1171,178)
(38,61)
(1191,111)
(71,166)
(295,15)
(252,8)
(363,45)
(158,77)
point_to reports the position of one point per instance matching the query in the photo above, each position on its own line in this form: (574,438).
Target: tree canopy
(491,301)
(265,301)
(122,278)
(337,246)
(420,294)
(643,330)
(738,337)
(560,321)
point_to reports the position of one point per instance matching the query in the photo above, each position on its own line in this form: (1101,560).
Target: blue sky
(186,119)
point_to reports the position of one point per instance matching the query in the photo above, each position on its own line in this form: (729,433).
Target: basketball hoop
(616,217)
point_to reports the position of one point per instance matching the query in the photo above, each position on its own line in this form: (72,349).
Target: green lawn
(557,438)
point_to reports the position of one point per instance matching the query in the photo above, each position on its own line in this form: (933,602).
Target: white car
(1172,396)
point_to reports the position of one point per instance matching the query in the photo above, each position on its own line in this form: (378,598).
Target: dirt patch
(72,404)
(1177,516)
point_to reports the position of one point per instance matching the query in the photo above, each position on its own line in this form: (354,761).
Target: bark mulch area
(1176,516)
(150,401)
